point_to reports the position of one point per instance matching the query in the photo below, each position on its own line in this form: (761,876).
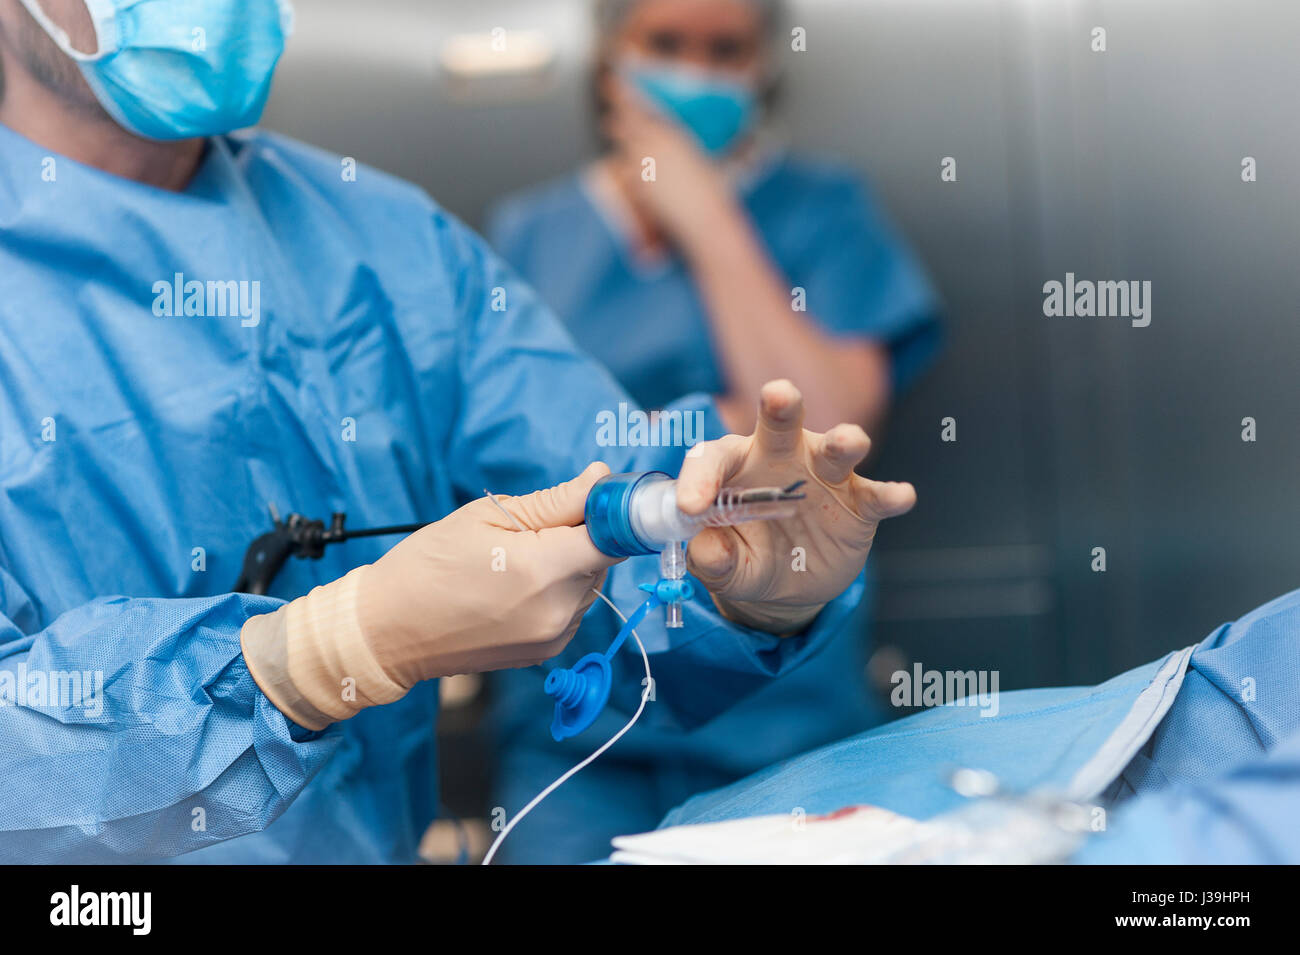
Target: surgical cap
(610,14)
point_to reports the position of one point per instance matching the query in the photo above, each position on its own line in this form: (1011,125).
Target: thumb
(713,557)
(559,506)
(571,554)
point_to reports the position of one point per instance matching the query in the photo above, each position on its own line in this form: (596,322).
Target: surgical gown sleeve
(130,730)
(530,416)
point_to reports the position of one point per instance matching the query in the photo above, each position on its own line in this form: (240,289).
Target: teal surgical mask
(176,69)
(718,109)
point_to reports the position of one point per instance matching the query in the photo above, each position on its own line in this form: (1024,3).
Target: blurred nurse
(697,256)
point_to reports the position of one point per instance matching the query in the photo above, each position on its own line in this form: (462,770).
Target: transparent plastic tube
(657,522)
(737,506)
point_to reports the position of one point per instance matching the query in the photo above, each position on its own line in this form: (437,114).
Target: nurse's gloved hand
(777,575)
(469,593)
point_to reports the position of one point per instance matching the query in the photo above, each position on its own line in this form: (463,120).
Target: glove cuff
(312,659)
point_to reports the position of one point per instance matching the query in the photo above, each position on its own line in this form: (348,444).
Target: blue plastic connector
(582,691)
(608,515)
(670,591)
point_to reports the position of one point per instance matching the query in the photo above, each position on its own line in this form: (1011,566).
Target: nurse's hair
(612,14)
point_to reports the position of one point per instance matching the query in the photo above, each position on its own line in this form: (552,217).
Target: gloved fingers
(706,469)
(714,556)
(779,432)
(837,452)
(567,552)
(571,603)
(559,506)
(585,599)
(877,500)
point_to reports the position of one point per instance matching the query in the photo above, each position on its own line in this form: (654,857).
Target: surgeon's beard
(46,99)
(27,47)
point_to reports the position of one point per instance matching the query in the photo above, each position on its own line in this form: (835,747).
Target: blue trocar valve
(630,515)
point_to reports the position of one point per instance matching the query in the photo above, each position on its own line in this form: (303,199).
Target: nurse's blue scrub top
(646,323)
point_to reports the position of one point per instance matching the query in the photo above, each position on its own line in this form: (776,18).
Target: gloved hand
(469,593)
(753,571)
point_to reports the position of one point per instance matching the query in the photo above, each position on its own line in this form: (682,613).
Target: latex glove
(752,569)
(468,593)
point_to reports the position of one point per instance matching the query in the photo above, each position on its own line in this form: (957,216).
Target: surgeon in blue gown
(737,263)
(194,325)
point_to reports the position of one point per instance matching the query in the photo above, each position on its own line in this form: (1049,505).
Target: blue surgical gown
(393,369)
(646,323)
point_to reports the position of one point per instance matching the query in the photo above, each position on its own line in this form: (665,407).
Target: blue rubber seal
(580,694)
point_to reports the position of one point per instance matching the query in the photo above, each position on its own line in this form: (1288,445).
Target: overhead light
(498,52)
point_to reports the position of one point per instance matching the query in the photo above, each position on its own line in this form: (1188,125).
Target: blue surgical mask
(719,110)
(176,69)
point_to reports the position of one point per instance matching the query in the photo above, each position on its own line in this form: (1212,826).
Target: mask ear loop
(532,804)
(99,16)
